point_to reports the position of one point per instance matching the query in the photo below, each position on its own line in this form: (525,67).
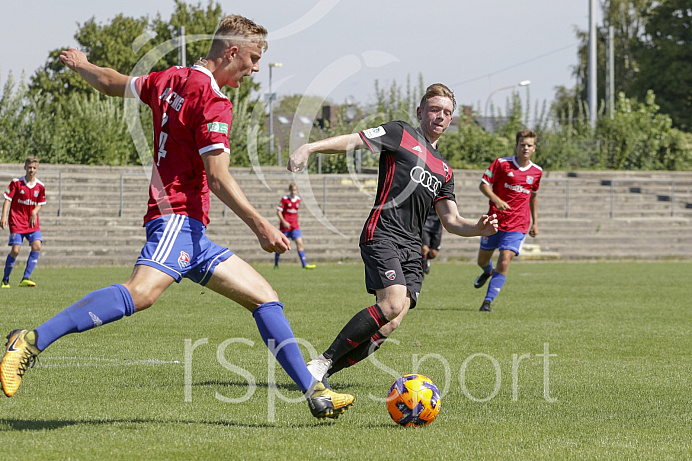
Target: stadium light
(272,97)
(487,102)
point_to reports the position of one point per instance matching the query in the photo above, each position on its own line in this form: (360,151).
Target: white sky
(338,48)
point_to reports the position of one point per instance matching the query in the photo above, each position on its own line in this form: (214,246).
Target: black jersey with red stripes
(413,176)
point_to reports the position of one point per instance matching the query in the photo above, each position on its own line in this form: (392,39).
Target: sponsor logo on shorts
(218,127)
(390,274)
(183,260)
(426,179)
(374,132)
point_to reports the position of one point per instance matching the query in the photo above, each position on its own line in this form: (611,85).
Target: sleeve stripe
(133,89)
(216,146)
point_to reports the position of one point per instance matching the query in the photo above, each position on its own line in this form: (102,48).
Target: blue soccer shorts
(504,241)
(17,239)
(178,246)
(293,234)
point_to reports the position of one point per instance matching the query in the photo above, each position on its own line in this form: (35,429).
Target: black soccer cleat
(481,279)
(486,307)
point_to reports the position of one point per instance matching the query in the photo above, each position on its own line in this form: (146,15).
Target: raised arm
(449,215)
(104,79)
(225,187)
(335,145)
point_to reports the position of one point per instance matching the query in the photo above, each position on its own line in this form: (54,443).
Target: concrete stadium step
(91,231)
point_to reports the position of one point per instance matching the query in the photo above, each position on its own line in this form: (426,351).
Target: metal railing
(640,180)
(15,174)
(566,181)
(365,177)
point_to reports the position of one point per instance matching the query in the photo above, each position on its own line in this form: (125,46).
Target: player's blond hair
(526,134)
(438,89)
(234,30)
(30,160)
(292,185)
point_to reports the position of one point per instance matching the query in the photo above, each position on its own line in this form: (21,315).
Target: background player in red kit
(191,118)
(287,211)
(24,198)
(511,184)
(413,176)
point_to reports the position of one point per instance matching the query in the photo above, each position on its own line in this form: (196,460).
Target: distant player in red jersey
(24,198)
(413,177)
(287,211)
(511,184)
(192,119)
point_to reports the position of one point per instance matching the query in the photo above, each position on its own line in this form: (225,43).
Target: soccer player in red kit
(287,211)
(511,184)
(24,198)
(192,119)
(413,177)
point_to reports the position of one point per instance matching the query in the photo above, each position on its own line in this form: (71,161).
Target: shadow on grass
(244,384)
(7,424)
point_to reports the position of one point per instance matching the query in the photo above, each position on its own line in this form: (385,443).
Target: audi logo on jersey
(426,179)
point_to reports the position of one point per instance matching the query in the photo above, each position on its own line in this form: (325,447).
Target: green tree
(641,138)
(63,119)
(666,60)
(13,121)
(628,18)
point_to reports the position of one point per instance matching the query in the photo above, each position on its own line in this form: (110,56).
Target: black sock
(359,353)
(358,330)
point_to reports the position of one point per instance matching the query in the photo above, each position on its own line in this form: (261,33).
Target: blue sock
(489,268)
(302,258)
(272,324)
(31,264)
(495,285)
(9,265)
(95,309)
(276,259)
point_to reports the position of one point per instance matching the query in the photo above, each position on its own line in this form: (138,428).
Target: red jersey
(24,199)
(191,116)
(513,185)
(289,210)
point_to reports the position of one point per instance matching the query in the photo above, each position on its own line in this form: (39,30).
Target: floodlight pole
(592,64)
(272,96)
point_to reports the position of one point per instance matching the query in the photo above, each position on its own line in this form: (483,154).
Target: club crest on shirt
(390,274)
(183,260)
(529,179)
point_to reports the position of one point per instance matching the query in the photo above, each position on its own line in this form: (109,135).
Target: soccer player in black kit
(413,176)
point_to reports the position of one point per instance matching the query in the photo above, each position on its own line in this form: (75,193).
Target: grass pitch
(579,361)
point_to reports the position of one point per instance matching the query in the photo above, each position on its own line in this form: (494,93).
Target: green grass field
(615,383)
